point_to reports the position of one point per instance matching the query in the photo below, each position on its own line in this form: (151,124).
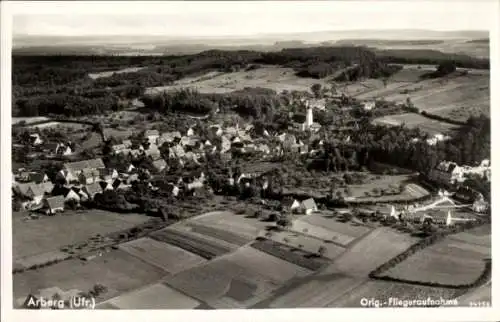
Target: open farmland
(237,224)
(480,236)
(447,262)
(329,229)
(237,280)
(200,245)
(412,120)
(157,296)
(170,258)
(384,291)
(30,237)
(307,243)
(117,270)
(313,291)
(456,96)
(110,73)
(291,254)
(276,78)
(370,252)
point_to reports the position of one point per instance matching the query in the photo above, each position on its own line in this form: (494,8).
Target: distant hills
(163,45)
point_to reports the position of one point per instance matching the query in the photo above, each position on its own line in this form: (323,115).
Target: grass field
(291,254)
(30,238)
(447,262)
(480,236)
(307,243)
(238,280)
(157,296)
(384,291)
(457,96)
(314,292)
(412,120)
(236,224)
(197,244)
(117,270)
(376,248)
(111,72)
(170,258)
(329,229)
(276,78)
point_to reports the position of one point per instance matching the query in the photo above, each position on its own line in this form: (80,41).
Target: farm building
(446,173)
(92,189)
(291,205)
(77,167)
(308,206)
(38,177)
(190,132)
(54,205)
(151,135)
(88,176)
(35,139)
(35,193)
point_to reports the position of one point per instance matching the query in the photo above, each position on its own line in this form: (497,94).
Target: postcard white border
(120,7)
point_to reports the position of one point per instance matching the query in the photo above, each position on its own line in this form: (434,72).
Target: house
(35,139)
(105,185)
(92,189)
(64,150)
(447,173)
(118,148)
(319,104)
(369,105)
(151,135)
(291,205)
(127,144)
(309,206)
(123,186)
(196,184)
(132,178)
(159,164)
(309,124)
(36,193)
(480,206)
(38,177)
(77,167)
(88,176)
(225,144)
(71,195)
(153,153)
(107,174)
(190,132)
(66,176)
(173,189)
(468,195)
(177,152)
(54,205)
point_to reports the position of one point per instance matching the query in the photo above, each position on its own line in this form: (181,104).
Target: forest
(43,83)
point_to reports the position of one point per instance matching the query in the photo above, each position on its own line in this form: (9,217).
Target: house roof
(309,204)
(86,164)
(37,190)
(159,164)
(151,133)
(47,186)
(55,202)
(127,143)
(93,188)
(37,176)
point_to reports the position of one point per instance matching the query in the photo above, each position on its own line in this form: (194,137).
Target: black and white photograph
(248,155)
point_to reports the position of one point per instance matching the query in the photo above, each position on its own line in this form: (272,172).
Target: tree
(321,251)
(316,89)
(284,222)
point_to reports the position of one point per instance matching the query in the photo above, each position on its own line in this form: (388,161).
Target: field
(291,254)
(275,78)
(313,291)
(238,280)
(307,243)
(110,73)
(28,120)
(156,296)
(412,120)
(383,292)
(117,270)
(30,237)
(329,229)
(455,96)
(480,236)
(375,249)
(169,258)
(197,244)
(237,224)
(449,262)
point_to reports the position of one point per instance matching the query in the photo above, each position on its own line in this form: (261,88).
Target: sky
(241,18)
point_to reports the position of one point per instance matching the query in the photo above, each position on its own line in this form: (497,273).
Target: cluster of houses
(450,173)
